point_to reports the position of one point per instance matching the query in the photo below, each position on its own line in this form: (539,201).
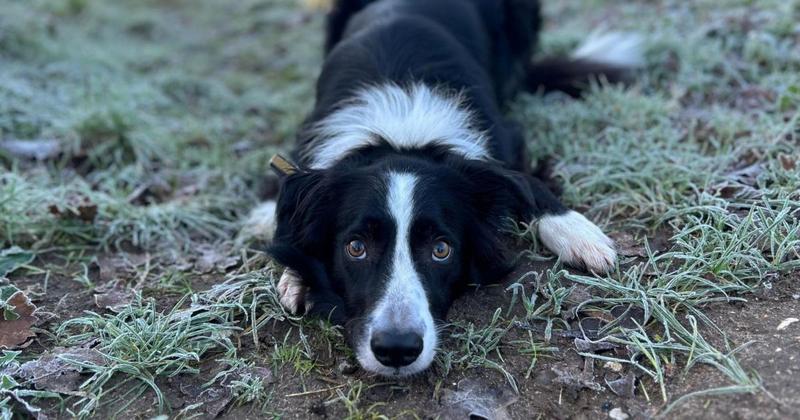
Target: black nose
(396,349)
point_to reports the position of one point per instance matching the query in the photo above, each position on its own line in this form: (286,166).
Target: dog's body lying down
(409,170)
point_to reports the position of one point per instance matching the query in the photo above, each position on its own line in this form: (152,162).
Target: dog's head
(385,247)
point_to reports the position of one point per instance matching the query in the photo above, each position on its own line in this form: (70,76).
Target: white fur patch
(577,241)
(616,48)
(404,305)
(260,223)
(405,118)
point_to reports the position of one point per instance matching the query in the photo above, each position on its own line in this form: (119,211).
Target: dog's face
(385,249)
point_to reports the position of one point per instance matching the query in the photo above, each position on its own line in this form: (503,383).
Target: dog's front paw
(578,242)
(292,293)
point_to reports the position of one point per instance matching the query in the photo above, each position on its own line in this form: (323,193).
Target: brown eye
(357,249)
(441,251)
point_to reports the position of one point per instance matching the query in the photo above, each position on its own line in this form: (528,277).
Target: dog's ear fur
(301,201)
(497,197)
(299,241)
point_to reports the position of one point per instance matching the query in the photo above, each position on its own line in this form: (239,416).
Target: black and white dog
(408,170)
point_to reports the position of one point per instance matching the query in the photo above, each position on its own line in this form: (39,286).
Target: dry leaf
(627,245)
(76,207)
(16,322)
(575,380)
(213,400)
(59,369)
(213,259)
(624,386)
(113,296)
(474,399)
(630,317)
(12,258)
(586,346)
(577,296)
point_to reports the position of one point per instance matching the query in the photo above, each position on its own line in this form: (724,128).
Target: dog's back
(498,35)
(479,49)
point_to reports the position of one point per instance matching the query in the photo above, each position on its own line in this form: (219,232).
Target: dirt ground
(773,354)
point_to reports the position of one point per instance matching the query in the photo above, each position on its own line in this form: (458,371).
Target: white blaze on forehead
(403,306)
(411,118)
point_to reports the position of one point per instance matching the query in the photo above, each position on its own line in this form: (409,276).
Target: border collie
(407,169)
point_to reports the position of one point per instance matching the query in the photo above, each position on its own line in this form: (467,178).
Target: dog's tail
(611,56)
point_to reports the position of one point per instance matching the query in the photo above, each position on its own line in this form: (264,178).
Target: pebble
(618,414)
(613,366)
(347,367)
(786,322)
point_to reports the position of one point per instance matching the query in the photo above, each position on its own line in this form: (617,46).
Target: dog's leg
(293,293)
(569,235)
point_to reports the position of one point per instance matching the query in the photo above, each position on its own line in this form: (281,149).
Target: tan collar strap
(282,166)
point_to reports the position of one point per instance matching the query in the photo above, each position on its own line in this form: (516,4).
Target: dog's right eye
(357,250)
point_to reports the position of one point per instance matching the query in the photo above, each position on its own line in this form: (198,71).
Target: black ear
(301,202)
(498,197)
(303,216)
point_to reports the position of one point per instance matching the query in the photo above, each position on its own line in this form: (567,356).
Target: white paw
(292,292)
(578,242)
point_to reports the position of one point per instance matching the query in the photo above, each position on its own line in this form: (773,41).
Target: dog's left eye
(357,249)
(441,251)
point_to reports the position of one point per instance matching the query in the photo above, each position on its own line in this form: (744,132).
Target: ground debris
(113,296)
(213,258)
(108,268)
(347,367)
(475,399)
(12,258)
(786,322)
(75,207)
(588,346)
(627,245)
(210,400)
(59,370)
(618,414)
(17,318)
(739,183)
(576,297)
(574,380)
(613,366)
(624,386)
(629,317)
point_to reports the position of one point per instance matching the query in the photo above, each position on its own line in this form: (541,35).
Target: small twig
(318,391)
